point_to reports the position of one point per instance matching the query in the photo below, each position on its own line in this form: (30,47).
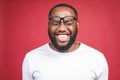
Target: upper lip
(62,34)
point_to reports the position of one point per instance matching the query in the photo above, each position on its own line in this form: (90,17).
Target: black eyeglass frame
(62,18)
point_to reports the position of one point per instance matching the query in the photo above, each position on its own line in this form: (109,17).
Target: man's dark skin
(63,34)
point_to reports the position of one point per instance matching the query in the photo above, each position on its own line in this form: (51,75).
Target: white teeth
(62,37)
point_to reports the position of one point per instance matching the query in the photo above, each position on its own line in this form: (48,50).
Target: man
(63,58)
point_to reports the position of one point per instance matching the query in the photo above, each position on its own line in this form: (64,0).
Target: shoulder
(93,56)
(37,51)
(92,53)
(89,49)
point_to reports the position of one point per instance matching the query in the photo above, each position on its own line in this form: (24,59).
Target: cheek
(72,30)
(52,30)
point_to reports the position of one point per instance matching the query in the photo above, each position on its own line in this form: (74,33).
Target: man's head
(63,26)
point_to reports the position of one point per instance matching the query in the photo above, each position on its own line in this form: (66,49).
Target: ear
(78,24)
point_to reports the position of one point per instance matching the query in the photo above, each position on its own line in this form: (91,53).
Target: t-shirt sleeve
(104,70)
(26,74)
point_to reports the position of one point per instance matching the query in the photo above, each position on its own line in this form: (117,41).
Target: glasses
(67,20)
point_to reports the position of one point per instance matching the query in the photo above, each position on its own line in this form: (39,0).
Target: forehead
(62,12)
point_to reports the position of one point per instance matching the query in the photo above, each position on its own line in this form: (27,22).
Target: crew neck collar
(63,53)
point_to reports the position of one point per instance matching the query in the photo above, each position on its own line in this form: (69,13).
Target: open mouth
(62,38)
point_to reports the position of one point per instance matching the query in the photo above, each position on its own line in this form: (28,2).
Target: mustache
(63,32)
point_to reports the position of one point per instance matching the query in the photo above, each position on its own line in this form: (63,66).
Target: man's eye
(68,23)
(55,23)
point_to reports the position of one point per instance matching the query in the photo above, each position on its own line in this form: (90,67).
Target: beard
(67,46)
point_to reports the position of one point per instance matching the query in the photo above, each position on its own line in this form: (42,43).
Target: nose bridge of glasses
(61,19)
(62,25)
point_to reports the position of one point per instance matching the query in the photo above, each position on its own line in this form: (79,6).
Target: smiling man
(63,27)
(63,58)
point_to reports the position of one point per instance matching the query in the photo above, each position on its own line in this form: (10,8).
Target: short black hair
(63,5)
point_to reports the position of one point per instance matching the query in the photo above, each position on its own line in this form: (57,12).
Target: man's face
(63,27)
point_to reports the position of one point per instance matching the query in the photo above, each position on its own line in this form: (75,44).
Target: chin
(62,44)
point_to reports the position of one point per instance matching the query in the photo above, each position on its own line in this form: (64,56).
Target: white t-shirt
(85,63)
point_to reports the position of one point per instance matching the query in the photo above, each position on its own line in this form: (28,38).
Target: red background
(23,26)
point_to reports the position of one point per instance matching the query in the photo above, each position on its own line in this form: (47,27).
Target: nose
(62,27)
